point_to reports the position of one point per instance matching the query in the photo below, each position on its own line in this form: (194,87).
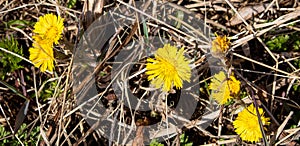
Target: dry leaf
(247,13)
(139,138)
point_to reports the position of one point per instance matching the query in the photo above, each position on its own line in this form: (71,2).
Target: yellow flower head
(220,45)
(222,88)
(42,54)
(247,126)
(169,68)
(49,27)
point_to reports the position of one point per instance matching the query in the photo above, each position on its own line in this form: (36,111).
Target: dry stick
(194,5)
(160,21)
(220,120)
(261,72)
(256,26)
(59,6)
(267,9)
(36,93)
(264,65)
(129,105)
(255,86)
(56,7)
(274,77)
(188,26)
(167,116)
(64,99)
(111,135)
(294,28)
(190,124)
(259,119)
(17,55)
(23,84)
(23,6)
(205,17)
(75,128)
(267,49)
(53,103)
(221,142)
(273,88)
(44,136)
(277,4)
(244,21)
(65,133)
(46,82)
(289,87)
(94,126)
(49,130)
(181,37)
(280,141)
(38,105)
(280,128)
(21,31)
(13,1)
(136,109)
(270,114)
(277,22)
(288,61)
(221,26)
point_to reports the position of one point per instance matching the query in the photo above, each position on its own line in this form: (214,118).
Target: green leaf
(184,140)
(9,62)
(13,89)
(155,143)
(71,3)
(278,43)
(18,23)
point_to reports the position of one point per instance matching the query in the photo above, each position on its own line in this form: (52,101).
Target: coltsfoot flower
(247,126)
(169,68)
(222,88)
(220,46)
(49,27)
(41,54)
(47,31)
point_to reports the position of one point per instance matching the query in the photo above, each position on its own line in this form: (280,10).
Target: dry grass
(268,76)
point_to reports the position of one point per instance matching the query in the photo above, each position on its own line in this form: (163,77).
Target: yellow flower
(49,27)
(41,54)
(247,126)
(222,88)
(169,68)
(220,46)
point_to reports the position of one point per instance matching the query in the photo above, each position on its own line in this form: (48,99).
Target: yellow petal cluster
(47,31)
(247,126)
(220,45)
(49,27)
(169,68)
(222,88)
(41,54)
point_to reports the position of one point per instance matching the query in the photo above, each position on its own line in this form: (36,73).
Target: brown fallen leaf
(247,13)
(139,138)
